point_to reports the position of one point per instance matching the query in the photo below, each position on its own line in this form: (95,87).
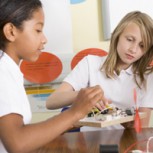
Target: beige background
(87,25)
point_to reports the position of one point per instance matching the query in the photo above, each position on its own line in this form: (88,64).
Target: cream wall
(87,25)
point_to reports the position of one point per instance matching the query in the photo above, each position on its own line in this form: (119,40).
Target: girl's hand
(102,104)
(86,100)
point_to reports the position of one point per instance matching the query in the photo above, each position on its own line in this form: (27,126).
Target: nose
(44,39)
(133,48)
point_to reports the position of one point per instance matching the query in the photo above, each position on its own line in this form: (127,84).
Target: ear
(9,32)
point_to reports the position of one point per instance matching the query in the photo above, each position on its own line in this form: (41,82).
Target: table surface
(89,142)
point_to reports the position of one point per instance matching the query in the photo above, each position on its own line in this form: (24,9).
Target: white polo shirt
(13,98)
(119,90)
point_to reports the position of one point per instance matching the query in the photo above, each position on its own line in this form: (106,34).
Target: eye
(141,46)
(129,39)
(39,30)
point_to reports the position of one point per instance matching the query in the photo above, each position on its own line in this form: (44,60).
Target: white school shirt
(13,98)
(119,90)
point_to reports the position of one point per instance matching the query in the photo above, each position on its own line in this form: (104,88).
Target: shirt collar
(127,71)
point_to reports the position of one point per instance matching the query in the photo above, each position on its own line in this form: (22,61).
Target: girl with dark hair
(21,37)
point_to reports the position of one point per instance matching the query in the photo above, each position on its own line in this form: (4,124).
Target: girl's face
(130,47)
(30,41)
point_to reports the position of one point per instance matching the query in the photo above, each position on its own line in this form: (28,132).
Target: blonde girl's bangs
(145,35)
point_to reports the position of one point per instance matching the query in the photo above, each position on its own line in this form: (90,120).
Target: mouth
(130,57)
(40,50)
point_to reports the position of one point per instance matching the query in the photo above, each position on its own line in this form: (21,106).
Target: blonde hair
(141,66)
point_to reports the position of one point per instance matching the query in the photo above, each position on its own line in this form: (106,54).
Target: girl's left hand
(102,104)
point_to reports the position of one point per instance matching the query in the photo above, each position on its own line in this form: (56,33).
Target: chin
(128,62)
(35,59)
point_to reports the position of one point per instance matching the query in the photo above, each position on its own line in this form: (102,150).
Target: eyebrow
(131,36)
(40,23)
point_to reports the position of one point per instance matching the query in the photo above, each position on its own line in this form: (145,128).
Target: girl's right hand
(86,100)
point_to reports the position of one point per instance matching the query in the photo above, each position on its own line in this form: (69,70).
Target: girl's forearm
(61,99)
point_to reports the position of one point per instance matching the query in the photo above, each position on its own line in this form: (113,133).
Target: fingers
(100,105)
(102,102)
(87,99)
(94,94)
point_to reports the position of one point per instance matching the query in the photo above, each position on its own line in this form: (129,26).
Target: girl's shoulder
(95,59)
